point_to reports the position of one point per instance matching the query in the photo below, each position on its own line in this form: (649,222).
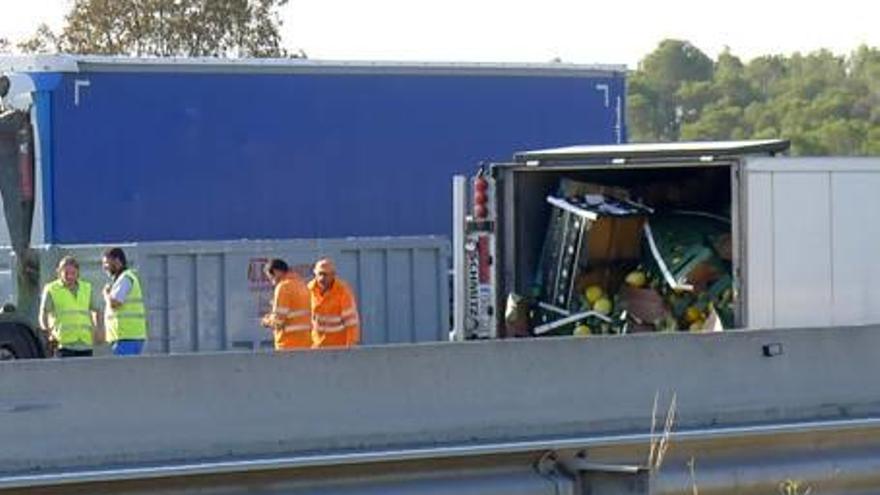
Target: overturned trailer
(799,232)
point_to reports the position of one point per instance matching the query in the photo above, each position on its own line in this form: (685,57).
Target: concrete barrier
(68,414)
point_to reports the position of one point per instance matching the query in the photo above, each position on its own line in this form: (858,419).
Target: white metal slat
(802,249)
(856,242)
(759,251)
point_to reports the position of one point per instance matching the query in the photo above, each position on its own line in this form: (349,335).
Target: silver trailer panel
(812,241)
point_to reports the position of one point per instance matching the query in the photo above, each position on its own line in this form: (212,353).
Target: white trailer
(804,235)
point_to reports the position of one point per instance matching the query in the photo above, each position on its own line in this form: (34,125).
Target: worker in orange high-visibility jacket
(334,309)
(291,316)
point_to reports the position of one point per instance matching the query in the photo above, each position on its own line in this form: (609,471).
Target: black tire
(17,341)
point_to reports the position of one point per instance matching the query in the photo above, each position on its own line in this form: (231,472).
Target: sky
(587,32)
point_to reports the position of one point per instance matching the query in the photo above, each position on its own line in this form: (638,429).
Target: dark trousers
(66,353)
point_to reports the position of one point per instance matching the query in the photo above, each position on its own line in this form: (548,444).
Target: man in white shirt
(125,312)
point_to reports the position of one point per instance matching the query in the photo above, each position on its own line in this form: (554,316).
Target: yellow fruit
(593,294)
(636,279)
(693,314)
(697,326)
(581,330)
(602,306)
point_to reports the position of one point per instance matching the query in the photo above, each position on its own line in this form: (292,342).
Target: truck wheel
(18,342)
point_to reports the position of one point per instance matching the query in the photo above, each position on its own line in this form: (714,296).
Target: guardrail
(830,456)
(466,417)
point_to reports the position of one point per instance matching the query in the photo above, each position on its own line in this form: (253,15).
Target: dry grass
(793,487)
(660,443)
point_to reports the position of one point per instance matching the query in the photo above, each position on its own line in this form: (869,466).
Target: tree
(872,141)
(733,85)
(642,109)
(766,72)
(43,41)
(188,28)
(864,67)
(824,103)
(657,80)
(5,46)
(674,62)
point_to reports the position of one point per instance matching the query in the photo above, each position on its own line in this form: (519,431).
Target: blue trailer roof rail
(99,63)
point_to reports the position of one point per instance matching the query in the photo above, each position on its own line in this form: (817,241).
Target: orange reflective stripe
(328,319)
(292,313)
(330,328)
(297,328)
(350,317)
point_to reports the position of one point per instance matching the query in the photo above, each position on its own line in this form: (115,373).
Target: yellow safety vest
(129,321)
(72,319)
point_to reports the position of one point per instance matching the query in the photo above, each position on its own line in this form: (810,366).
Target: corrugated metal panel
(759,254)
(802,249)
(209,296)
(191,156)
(811,241)
(856,235)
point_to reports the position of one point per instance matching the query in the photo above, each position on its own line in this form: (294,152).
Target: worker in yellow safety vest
(335,320)
(69,312)
(125,311)
(290,317)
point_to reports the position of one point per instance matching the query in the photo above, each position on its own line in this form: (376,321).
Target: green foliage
(188,28)
(43,41)
(824,103)
(658,111)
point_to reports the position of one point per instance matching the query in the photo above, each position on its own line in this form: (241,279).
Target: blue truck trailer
(119,150)
(169,150)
